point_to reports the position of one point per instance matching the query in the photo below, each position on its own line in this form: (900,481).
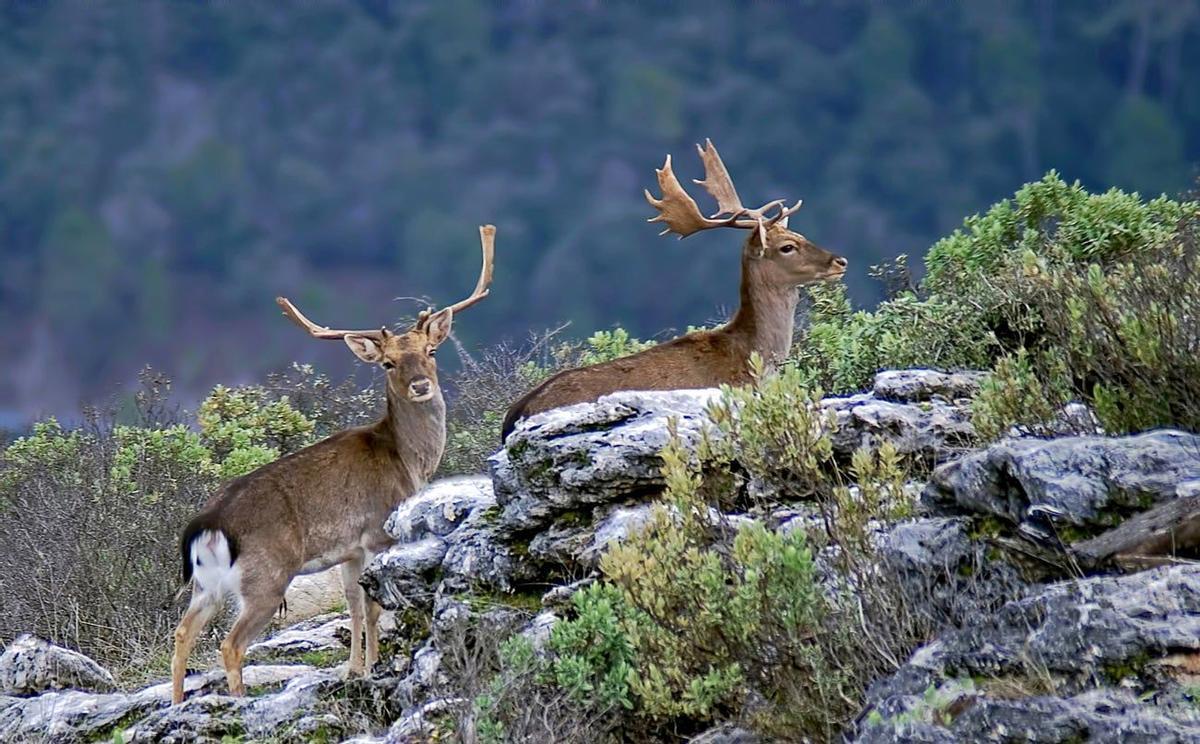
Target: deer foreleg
(373,611)
(355,604)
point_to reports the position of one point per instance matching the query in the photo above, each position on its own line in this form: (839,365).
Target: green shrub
(1122,337)
(1053,214)
(697,617)
(841,350)
(233,419)
(605,346)
(1066,294)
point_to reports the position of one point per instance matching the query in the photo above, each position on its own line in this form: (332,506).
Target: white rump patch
(213,572)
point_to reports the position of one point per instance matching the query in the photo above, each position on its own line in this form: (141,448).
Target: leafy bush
(1068,295)
(841,350)
(88,530)
(1052,213)
(1123,337)
(605,346)
(246,427)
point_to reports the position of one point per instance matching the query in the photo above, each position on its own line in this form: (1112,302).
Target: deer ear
(438,326)
(365,348)
(783,221)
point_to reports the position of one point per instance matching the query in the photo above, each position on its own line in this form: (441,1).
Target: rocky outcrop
(591,453)
(574,458)
(480,559)
(1040,486)
(946,575)
(31,665)
(448,536)
(1029,672)
(77,716)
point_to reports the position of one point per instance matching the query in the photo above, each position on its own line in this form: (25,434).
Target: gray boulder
(946,576)
(915,385)
(726,734)
(1069,636)
(75,715)
(440,508)
(933,430)
(448,536)
(577,544)
(1088,482)
(31,665)
(1107,716)
(591,453)
(403,576)
(575,458)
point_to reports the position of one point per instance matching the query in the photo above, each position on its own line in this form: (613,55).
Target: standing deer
(775,262)
(326,504)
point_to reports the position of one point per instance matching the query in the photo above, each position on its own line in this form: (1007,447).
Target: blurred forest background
(167,169)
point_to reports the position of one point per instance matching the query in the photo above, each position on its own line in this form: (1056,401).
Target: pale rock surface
(30,665)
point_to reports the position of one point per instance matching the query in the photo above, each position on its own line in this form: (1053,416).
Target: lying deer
(326,504)
(775,262)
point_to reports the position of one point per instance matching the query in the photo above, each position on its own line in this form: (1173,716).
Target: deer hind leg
(355,604)
(260,599)
(373,611)
(199,612)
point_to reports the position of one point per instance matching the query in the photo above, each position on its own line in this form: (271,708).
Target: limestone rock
(726,734)
(575,458)
(1089,482)
(1074,634)
(947,576)
(31,665)
(440,508)
(915,385)
(448,536)
(1106,716)
(591,453)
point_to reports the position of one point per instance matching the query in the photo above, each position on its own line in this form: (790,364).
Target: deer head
(790,258)
(407,358)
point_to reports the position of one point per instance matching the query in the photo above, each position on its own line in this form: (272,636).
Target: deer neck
(766,316)
(417,431)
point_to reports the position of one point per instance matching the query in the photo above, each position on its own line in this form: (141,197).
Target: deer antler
(317,331)
(676,209)
(679,212)
(487,239)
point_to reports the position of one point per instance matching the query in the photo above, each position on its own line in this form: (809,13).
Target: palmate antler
(678,211)
(487,238)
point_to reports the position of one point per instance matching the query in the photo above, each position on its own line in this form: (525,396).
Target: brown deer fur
(324,505)
(763,323)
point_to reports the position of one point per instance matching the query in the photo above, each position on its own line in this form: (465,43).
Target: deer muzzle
(420,390)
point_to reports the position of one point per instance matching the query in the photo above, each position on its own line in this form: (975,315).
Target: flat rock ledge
(1089,482)
(1087,660)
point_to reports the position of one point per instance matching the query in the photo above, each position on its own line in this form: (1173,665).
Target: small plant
(251,422)
(605,346)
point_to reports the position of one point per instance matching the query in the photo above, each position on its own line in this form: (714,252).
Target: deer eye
(388,365)
(432,350)
(787,248)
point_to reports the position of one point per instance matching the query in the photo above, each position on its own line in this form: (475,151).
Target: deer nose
(840,262)
(420,388)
